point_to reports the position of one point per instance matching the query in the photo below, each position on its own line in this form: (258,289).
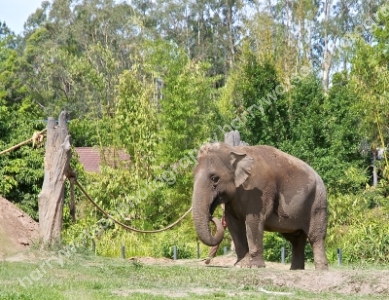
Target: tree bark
(51,198)
(232,138)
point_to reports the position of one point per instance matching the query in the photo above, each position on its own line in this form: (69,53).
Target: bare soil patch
(17,229)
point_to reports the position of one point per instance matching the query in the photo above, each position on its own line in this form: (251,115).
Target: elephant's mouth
(217,201)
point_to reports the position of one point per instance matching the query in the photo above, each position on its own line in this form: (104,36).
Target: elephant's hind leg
(319,253)
(298,241)
(316,236)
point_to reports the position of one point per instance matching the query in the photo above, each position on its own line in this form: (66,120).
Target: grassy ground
(90,277)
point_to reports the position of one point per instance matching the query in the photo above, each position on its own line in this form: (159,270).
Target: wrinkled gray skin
(263,189)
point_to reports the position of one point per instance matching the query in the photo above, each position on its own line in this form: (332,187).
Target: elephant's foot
(321,266)
(297,267)
(250,262)
(239,262)
(297,264)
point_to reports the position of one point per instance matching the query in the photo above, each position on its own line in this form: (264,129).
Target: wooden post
(123,252)
(72,203)
(339,256)
(51,198)
(282,255)
(374,159)
(94,247)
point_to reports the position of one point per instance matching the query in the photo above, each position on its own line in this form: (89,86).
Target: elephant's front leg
(254,233)
(238,234)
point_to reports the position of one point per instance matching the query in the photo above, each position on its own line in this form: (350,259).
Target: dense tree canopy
(159,78)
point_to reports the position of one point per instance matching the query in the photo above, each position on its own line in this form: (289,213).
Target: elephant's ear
(242,163)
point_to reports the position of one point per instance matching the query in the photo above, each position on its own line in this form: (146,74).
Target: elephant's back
(276,157)
(287,168)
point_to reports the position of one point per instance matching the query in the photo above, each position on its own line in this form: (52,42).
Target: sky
(16,12)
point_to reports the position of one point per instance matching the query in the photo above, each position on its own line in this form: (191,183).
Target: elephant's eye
(215,179)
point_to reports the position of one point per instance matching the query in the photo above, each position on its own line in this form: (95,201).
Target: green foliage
(21,171)
(136,78)
(369,79)
(84,132)
(321,132)
(255,94)
(272,244)
(306,118)
(109,242)
(357,225)
(157,131)
(187,105)
(136,121)
(301,120)
(183,251)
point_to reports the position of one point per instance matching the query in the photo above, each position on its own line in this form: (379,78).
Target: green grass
(90,277)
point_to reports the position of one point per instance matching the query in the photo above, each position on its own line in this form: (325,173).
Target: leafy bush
(183,251)
(273,243)
(358,224)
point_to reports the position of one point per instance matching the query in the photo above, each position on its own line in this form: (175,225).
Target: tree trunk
(51,198)
(327,59)
(229,20)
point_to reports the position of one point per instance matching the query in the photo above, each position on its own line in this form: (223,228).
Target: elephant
(263,189)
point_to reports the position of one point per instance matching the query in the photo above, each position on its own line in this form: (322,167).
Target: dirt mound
(17,229)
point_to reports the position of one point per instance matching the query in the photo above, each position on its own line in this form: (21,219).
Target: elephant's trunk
(201,218)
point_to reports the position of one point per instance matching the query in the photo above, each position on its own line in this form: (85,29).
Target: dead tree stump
(232,138)
(51,198)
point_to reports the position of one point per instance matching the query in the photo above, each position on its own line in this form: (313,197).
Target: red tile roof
(91,159)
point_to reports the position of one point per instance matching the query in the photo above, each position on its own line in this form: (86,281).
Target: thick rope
(124,225)
(24,143)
